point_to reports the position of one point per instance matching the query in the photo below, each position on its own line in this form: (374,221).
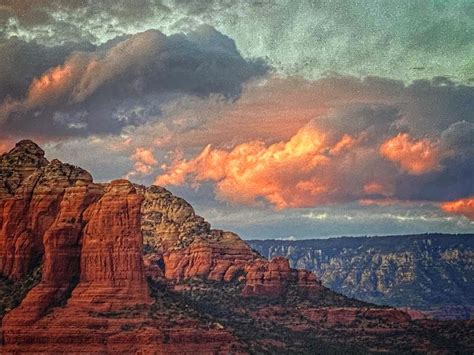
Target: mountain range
(432,273)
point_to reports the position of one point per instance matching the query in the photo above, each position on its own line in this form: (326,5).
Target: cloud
(144,162)
(275,108)
(463,207)
(375,143)
(125,82)
(307,38)
(310,168)
(414,156)
(22,61)
(57,21)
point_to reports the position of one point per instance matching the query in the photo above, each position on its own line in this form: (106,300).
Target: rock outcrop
(265,278)
(169,221)
(30,208)
(111,273)
(19,163)
(62,254)
(185,246)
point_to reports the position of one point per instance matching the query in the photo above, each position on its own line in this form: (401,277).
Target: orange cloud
(464,206)
(145,156)
(268,110)
(144,162)
(5,145)
(343,145)
(295,173)
(377,188)
(83,73)
(414,156)
(51,85)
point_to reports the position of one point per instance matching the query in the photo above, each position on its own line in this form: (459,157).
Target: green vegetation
(220,304)
(12,293)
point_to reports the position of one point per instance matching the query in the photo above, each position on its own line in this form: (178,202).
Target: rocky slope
(117,267)
(430,272)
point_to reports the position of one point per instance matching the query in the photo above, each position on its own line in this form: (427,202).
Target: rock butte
(102,248)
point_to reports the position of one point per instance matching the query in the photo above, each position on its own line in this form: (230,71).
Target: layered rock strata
(185,246)
(272,278)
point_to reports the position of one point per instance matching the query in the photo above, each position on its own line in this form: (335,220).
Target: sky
(274,119)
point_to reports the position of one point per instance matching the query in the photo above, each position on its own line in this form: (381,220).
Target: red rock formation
(62,244)
(187,247)
(222,256)
(15,167)
(185,242)
(271,278)
(111,258)
(93,296)
(31,212)
(108,309)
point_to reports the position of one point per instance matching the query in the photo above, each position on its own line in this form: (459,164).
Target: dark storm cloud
(21,61)
(123,82)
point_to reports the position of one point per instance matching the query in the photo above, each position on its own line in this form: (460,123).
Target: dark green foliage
(12,293)
(220,304)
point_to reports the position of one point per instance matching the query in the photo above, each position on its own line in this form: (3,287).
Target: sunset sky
(282,119)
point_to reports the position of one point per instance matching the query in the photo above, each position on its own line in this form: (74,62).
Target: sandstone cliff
(185,246)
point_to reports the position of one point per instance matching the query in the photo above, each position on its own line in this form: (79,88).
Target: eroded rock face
(169,221)
(62,253)
(112,274)
(272,278)
(185,242)
(30,212)
(15,166)
(185,246)
(19,163)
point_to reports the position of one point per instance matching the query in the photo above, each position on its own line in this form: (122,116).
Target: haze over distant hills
(428,272)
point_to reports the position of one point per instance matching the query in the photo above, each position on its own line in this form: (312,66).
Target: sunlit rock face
(271,278)
(186,247)
(96,244)
(33,190)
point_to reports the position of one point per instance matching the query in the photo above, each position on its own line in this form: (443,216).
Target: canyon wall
(430,272)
